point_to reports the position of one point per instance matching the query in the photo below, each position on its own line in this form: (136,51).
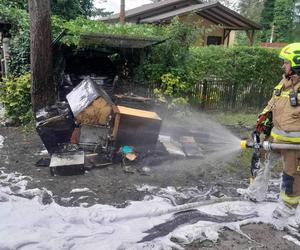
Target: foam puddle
(28,224)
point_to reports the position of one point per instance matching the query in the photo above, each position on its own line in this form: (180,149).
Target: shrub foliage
(15,96)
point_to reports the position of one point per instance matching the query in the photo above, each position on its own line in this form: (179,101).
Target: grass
(242,163)
(236,118)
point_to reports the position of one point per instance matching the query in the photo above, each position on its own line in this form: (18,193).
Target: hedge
(237,76)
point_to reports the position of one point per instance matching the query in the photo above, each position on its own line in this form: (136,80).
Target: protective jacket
(286,118)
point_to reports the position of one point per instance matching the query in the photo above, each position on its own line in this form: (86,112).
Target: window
(214,40)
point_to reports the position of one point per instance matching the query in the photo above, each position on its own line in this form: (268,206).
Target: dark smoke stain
(191,217)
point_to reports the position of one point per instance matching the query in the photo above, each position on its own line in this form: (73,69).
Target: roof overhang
(216,13)
(117,41)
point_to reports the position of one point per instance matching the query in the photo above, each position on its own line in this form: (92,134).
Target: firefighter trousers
(290,185)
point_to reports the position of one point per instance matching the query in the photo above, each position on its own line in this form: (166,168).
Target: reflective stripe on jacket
(281,135)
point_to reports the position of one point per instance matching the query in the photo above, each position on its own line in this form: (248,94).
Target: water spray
(269,146)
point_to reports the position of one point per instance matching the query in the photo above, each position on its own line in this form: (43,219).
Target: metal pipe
(269,146)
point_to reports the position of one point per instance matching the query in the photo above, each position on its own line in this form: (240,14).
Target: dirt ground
(262,237)
(111,185)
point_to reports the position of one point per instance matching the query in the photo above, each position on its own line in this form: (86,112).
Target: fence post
(6,56)
(233,96)
(203,95)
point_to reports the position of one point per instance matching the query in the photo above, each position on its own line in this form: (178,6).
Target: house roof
(151,8)
(216,13)
(167,9)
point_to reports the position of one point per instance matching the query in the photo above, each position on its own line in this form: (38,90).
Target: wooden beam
(251,37)
(226,35)
(220,16)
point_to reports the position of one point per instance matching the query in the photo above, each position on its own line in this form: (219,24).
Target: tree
(122,12)
(284,20)
(101,12)
(42,84)
(69,9)
(250,9)
(296,32)
(267,19)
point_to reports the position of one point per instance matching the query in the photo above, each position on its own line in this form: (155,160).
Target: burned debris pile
(90,128)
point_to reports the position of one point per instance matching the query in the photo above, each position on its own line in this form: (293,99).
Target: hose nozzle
(246,144)
(243,144)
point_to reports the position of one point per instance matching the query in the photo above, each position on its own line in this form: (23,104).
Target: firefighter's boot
(283,211)
(290,185)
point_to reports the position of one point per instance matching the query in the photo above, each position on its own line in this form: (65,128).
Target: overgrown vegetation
(248,73)
(168,69)
(80,25)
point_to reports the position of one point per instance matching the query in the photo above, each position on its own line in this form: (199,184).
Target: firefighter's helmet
(291,53)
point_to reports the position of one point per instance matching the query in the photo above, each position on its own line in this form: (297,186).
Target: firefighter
(284,108)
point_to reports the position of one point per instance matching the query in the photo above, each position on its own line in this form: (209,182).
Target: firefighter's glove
(264,124)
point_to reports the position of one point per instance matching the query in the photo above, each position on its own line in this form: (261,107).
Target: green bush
(15,96)
(171,91)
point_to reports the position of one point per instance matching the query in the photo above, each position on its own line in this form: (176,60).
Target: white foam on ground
(43,152)
(1,141)
(80,190)
(2,112)
(28,224)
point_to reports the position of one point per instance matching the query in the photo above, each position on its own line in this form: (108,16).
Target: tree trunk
(42,84)
(122,12)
